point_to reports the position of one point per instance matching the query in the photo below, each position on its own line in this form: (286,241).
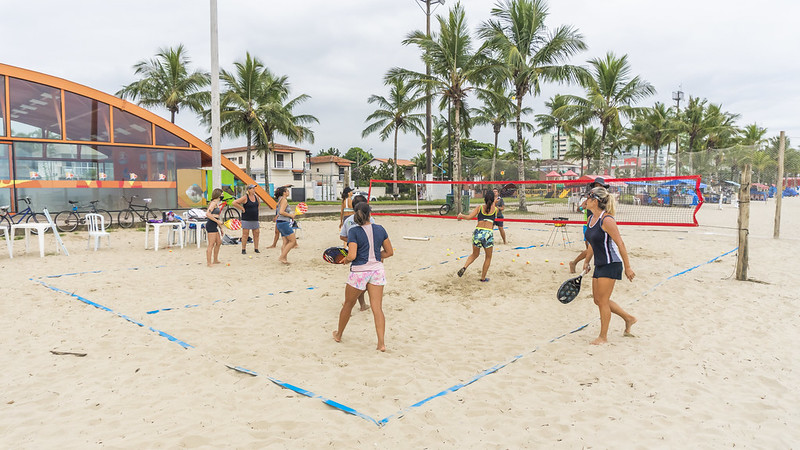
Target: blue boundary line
(156,311)
(352,411)
(105,308)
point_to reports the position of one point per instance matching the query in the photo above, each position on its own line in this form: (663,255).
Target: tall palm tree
(588,147)
(557,118)
(532,54)
(456,70)
(396,114)
(753,135)
(497,110)
(243,91)
(277,116)
(166,82)
(656,129)
(611,93)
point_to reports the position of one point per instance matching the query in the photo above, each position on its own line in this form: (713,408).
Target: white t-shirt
(349,223)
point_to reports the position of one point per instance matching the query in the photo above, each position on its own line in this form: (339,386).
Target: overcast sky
(740,54)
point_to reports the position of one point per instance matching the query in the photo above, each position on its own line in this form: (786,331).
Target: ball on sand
(546,260)
(527,262)
(513,260)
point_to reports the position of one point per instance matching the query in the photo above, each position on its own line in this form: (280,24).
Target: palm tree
(456,70)
(394,115)
(610,93)
(166,82)
(557,117)
(497,110)
(531,53)
(589,147)
(656,129)
(244,90)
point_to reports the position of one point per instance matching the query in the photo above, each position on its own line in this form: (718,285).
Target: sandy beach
(714,363)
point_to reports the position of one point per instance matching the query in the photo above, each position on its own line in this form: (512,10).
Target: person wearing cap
(598,182)
(248,205)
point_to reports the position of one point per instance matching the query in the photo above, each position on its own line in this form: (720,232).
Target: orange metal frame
(194,142)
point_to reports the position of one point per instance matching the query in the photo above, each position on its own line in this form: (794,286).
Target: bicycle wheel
(126,218)
(444,210)
(67,221)
(106,216)
(36,218)
(231,213)
(4,222)
(153,214)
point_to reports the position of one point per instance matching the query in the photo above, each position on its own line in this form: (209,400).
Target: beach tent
(553,174)
(733,183)
(570,173)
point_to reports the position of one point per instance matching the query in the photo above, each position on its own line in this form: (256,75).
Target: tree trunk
(494,154)
(266,166)
(249,150)
(457,162)
(521,150)
(583,149)
(394,169)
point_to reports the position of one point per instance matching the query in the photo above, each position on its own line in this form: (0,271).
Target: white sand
(714,363)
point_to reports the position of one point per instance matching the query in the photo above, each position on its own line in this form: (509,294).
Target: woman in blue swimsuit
(483,236)
(610,254)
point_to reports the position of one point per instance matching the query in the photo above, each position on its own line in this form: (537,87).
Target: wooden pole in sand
(779,195)
(744,224)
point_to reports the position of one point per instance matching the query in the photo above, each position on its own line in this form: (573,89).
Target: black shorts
(499,222)
(212,227)
(613,271)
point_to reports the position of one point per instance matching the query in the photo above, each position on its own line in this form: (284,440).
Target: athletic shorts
(359,280)
(482,238)
(613,271)
(250,225)
(499,222)
(212,227)
(285,228)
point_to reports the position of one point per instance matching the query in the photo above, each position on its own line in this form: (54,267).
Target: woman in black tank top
(248,205)
(214,228)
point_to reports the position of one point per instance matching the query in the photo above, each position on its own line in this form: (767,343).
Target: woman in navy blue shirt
(367,246)
(610,254)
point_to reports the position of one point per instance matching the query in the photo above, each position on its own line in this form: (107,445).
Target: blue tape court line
(156,311)
(352,411)
(105,308)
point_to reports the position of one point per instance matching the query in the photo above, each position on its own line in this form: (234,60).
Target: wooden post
(779,195)
(744,224)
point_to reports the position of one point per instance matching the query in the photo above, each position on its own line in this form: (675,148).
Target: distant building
(549,145)
(329,175)
(408,167)
(287,165)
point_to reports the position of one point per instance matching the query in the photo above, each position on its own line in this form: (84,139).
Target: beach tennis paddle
(301,208)
(233,224)
(570,289)
(334,255)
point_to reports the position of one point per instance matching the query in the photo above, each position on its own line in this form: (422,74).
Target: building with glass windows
(62,141)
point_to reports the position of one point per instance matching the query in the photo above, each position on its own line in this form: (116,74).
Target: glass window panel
(124,161)
(2,106)
(131,129)
(187,159)
(95,153)
(5,162)
(62,151)
(164,137)
(86,119)
(28,150)
(35,109)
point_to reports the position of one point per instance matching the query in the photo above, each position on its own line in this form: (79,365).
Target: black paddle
(570,289)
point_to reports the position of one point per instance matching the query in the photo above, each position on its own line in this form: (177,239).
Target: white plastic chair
(97,229)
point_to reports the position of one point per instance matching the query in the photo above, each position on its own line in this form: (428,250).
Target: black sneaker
(244,252)
(256,250)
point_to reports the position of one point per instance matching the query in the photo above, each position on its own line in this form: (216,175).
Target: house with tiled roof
(329,175)
(287,165)
(402,164)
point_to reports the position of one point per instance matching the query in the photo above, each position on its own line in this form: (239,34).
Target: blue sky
(740,54)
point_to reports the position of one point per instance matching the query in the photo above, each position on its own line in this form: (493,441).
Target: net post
(744,224)
(779,195)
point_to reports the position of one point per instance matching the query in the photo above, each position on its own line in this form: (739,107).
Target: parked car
(365,194)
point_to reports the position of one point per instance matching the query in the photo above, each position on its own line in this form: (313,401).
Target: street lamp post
(677,96)
(428,142)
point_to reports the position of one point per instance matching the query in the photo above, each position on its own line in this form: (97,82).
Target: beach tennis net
(656,201)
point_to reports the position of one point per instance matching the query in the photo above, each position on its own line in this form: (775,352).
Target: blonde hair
(605,200)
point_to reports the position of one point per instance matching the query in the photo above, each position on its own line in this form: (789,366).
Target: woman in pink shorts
(367,246)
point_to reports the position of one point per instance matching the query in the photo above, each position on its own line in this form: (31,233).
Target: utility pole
(677,96)
(216,152)
(428,141)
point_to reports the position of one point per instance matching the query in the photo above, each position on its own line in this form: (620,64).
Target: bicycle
(67,221)
(127,216)
(27,215)
(229,212)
